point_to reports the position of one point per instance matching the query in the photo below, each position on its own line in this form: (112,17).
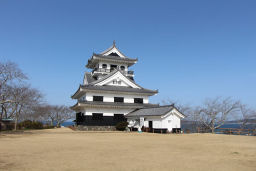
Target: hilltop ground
(64,149)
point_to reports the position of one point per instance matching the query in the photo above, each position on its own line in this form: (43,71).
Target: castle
(110,95)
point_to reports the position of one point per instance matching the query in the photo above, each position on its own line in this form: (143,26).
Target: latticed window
(138,100)
(98,98)
(114,81)
(119,99)
(122,67)
(104,65)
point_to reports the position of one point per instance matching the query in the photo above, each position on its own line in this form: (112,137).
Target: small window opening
(138,100)
(104,65)
(98,98)
(119,99)
(122,68)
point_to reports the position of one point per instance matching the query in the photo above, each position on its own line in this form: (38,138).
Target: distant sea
(68,123)
(185,126)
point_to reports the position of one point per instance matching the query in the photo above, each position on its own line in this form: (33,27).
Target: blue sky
(188,50)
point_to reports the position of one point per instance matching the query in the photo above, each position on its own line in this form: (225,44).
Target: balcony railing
(110,70)
(101,70)
(130,72)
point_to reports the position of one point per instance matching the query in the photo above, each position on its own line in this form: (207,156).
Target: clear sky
(189,50)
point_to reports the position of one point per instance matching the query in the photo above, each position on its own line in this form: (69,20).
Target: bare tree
(9,74)
(215,112)
(62,114)
(41,113)
(183,108)
(24,98)
(54,114)
(247,115)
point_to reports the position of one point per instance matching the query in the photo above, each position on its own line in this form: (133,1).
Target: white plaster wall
(107,97)
(171,121)
(82,98)
(164,123)
(106,111)
(110,83)
(157,122)
(119,76)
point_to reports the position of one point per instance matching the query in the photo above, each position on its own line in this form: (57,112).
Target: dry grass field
(64,149)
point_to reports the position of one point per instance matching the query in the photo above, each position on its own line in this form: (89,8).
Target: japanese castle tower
(109,92)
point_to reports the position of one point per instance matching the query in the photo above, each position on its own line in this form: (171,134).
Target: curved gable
(117,77)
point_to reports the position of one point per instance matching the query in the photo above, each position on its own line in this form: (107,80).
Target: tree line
(215,112)
(19,101)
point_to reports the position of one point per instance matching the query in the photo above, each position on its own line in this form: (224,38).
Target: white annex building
(109,95)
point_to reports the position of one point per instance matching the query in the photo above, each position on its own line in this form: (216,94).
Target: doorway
(150,125)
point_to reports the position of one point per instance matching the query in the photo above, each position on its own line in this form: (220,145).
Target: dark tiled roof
(91,81)
(110,48)
(119,89)
(115,71)
(118,105)
(114,57)
(89,78)
(105,77)
(153,111)
(96,57)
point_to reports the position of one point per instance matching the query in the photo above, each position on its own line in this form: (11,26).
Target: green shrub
(48,127)
(37,125)
(120,126)
(28,124)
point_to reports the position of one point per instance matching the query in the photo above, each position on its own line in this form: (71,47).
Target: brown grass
(64,149)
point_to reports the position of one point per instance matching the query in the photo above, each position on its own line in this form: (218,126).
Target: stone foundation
(95,128)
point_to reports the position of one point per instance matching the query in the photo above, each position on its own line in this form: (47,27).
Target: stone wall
(95,128)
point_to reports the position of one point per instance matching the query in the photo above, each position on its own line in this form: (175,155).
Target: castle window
(104,65)
(117,82)
(122,67)
(138,100)
(119,99)
(97,116)
(114,81)
(98,98)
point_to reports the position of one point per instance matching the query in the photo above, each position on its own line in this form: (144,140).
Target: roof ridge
(112,47)
(117,57)
(160,106)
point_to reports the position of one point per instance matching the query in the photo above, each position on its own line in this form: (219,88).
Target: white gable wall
(121,83)
(114,50)
(171,121)
(118,76)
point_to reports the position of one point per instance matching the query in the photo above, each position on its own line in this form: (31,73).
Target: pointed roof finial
(114,43)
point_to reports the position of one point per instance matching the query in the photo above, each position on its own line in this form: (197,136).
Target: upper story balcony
(106,71)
